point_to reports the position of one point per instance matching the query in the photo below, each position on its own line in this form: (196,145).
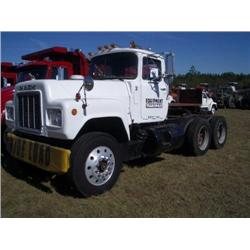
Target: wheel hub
(103,164)
(203,138)
(99,165)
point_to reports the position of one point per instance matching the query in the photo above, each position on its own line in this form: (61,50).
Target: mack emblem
(26,87)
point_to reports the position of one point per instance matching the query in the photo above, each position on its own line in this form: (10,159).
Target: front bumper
(41,155)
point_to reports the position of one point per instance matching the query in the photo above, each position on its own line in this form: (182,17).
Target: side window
(149,63)
(55,73)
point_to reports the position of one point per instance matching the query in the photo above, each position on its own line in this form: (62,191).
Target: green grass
(172,185)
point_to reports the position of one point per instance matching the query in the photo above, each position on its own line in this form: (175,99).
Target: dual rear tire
(203,134)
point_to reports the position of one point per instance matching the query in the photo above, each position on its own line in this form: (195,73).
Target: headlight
(9,113)
(54,117)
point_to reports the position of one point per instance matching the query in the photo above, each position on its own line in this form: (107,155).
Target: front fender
(100,108)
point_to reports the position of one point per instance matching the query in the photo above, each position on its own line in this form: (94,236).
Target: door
(153,92)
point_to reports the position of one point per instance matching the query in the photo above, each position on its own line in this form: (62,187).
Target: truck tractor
(88,126)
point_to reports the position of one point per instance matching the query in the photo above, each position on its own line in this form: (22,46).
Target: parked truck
(88,127)
(52,63)
(194,100)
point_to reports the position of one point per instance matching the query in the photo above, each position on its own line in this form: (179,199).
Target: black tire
(219,132)
(84,173)
(196,145)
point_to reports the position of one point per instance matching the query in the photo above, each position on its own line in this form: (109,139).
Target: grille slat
(29,110)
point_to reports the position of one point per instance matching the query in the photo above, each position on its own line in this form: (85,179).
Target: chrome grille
(29,110)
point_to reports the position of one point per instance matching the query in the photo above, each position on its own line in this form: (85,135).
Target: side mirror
(88,83)
(170,71)
(154,74)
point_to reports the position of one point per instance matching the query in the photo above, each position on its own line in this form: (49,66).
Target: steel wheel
(203,138)
(95,163)
(99,165)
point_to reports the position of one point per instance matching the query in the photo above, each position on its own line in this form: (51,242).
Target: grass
(171,185)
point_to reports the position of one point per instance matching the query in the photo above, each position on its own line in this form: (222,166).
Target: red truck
(52,63)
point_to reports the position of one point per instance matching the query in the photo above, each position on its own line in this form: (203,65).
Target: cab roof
(131,50)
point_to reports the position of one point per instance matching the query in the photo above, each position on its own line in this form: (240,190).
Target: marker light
(133,45)
(74,112)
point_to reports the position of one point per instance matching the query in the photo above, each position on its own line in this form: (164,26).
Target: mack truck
(86,127)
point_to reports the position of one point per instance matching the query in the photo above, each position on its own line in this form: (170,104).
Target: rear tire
(219,132)
(198,137)
(95,163)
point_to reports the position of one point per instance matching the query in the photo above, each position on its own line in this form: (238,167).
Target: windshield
(29,73)
(114,66)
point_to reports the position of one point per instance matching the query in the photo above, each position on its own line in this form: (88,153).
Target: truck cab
(87,126)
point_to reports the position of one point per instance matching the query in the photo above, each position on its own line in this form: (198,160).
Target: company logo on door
(154,103)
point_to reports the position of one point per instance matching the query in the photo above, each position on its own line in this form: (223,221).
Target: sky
(209,52)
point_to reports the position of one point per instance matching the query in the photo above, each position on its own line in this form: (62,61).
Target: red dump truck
(52,63)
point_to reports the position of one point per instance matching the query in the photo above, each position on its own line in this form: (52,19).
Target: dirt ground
(171,185)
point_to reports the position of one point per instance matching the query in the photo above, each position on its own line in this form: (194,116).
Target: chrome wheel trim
(99,166)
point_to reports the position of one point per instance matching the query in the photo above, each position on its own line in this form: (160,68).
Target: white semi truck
(88,127)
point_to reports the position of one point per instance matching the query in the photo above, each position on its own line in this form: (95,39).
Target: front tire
(219,132)
(198,137)
(95,163)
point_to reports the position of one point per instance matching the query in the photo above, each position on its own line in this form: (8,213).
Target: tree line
(193,77)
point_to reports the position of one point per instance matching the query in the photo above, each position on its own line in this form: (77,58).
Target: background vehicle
(194,100)
(52,63)
(87,128)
